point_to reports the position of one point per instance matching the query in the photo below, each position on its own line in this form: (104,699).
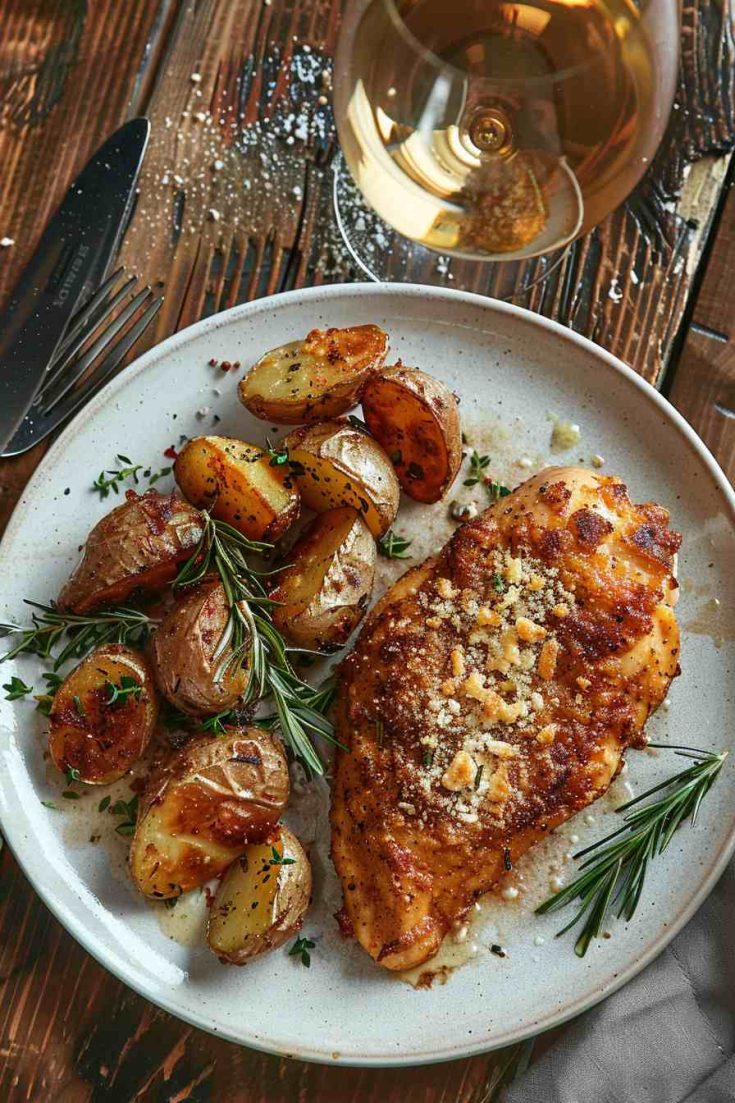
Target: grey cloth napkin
(667,1037)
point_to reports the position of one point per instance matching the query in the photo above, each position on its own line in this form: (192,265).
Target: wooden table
(221,80)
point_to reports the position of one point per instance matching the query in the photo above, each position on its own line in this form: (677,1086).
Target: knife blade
(74,252)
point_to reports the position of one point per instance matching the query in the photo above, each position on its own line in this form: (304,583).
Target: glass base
(386,256)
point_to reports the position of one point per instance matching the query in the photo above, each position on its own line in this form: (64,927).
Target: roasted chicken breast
(491,695)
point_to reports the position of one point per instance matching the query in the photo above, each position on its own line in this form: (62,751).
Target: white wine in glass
(500,131)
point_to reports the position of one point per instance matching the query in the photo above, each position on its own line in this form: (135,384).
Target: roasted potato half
(321,376)
(326,588)
(204,806)
(416,419)
(238,484)
(261,900)
(337,465)
(103,715)
(185,652)
(137,546)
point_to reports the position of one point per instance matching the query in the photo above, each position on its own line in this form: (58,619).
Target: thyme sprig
(614,870)
(393,546)
(251,639)
(56,635)
(114,477)
(478,464)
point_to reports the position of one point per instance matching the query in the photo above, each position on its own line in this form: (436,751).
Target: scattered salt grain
(6,242)
(614,291)
(195,78)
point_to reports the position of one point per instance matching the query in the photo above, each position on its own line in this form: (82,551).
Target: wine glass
(493,131)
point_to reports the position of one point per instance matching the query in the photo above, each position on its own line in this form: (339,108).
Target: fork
(95,344)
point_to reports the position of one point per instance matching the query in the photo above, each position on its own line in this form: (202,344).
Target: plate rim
(80,931)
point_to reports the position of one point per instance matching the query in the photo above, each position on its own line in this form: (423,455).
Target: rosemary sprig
(49,627)
(613,874)
(251,639)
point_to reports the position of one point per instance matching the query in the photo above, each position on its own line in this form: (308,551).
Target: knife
(73,254)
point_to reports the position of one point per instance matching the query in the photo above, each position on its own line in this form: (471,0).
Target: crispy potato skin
(260,904)
(326,588)
(204,806)
(99,740)
(416,419)
(237,484)
(183,652)
(337,465)
(319,377)
(137,546)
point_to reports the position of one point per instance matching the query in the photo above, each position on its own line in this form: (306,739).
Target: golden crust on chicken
(490,697)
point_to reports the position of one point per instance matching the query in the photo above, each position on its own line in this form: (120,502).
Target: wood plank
(703,386)
(67,79)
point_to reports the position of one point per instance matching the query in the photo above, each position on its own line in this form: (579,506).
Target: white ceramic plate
(512,369)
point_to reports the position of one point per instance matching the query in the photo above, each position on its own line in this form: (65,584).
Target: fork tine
(106,337)
(74,343)
(100,375)
(80,319)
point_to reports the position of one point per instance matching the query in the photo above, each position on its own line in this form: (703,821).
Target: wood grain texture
(703,387)
(67,76)
(234,204)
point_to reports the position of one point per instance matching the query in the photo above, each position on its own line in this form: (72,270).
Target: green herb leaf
(613,872)
(79,705)
(216,724)
(46,700)
(118,694)
(154,476)
(128,810)
(357,423)
(112,479)
(478,464)
(278,455)
(15,689)
(496,491)
(498,583)
(70,794)
(393,546)
(277,859)
(104,804)
(50,804)
(301,949)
